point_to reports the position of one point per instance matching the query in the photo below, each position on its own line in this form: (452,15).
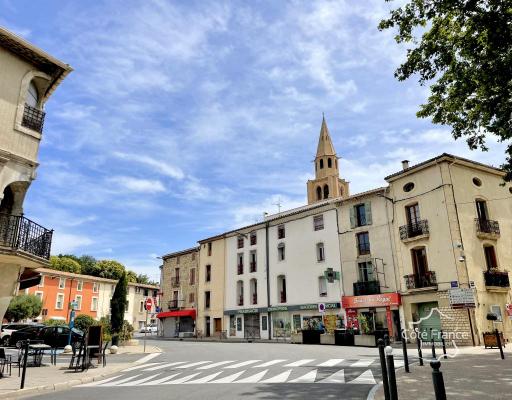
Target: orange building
(58,289)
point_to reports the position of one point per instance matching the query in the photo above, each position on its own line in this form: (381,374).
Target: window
(141,306)
(280,252)
(175,295)
(40,295)
(62,283)
(252,262)
(281,232)
(94,304)
(329,162)
(240,264)
(318,222)
(319,193)
(127,306)
(191,298)
(496,309)
(253,238)
(41,282)
(240,293)
(208,276)
(176,276)
(481,210)
(155,293)
(207,299)
(78,301)
(281,288)
(366,272)
(95,287)
(322,286)
(193,256)
(419,261)
(320,255)
(490,257)
(477,182)
(240,242)
(192,276)
(239,324)
(79,285)
(326,191)
(32,95)
(253,285)
(59,305)
(363,243)
(264,323)
(146,292)
(360,215)
(137,289)
(321,164)
(209,248)
(408,187)
(413,214)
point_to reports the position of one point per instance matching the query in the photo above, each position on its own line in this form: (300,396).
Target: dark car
(30,332)
(8,329)
(58,336)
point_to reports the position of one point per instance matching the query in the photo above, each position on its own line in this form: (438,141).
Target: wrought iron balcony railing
(33,118)
(496,278)
(414,281)
(487,226)
(20,233)
(414,229)
(366,287)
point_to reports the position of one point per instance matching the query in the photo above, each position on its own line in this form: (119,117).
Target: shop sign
(330,323)
(374,300)
(308,306)
(461,298)
(508,307)
(278,308)
(352,321)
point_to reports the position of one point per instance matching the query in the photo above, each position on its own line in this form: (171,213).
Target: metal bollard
(404,351)
(26,345)
(498,340)
(418,343)
(393,391)
(433,345)
(437,380)
(444,344)
(384,370)
(386,340)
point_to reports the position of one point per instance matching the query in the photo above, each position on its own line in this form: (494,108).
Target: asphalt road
(205,370)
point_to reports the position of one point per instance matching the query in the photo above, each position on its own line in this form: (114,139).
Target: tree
(465,51)
(118,305)
(83,322)
(23,307)
(131,276)
(89,265)
(110,269)
(65,264)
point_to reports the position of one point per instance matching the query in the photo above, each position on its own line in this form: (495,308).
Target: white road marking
(399,363)
(366,378)
(254,378)
(242,364)
(139,381)
(337,377)
(139,367)
(115,383)
(181,380)
(164,366)
(363,362)
(307,378)
(159,381)
(228,379)
(205,379)
(193,364)
(281,378)
(331,363)
(96,383)
(299,363)
(268,363)
(147,358)
(217,364)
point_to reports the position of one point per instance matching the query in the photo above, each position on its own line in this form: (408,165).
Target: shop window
(320,254)
(239,324)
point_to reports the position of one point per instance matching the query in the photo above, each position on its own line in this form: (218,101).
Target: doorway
(251,326)
(217,322)
(207,327)
(430,321)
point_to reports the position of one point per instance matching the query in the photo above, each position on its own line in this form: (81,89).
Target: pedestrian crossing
(278,371)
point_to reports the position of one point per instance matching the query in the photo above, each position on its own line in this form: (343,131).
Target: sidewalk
(474,373)
(58,377)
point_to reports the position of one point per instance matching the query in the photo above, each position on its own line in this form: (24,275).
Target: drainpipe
(267,257)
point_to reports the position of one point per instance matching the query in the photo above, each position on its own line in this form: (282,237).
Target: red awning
(177,313)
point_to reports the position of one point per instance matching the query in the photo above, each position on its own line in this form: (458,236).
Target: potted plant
(311,335)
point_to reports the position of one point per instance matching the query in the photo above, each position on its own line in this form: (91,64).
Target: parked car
(58,336)
(149,329)
(29,332)
(7,330)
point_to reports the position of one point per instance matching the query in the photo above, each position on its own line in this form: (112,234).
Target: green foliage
(23,307)
(118,304)
(464,53)
(66,264)
(131,276)
(110,269)
(126,331)
(107,332)
(84,321)
(54,322)
(89,265)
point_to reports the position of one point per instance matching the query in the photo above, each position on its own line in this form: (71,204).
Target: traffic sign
(321,308)
(148,304)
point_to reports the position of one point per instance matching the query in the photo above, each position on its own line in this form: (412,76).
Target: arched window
(329,162)
(319,193)
(326,191)
(240,293)
(321,164)
(253,286)
(32,95)
(320,254)
(281,289)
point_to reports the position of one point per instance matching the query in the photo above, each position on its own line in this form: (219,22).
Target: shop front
(178,323)
(247,324)
(373,316)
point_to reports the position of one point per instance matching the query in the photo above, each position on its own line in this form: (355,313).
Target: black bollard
(383,368)
(437,380)
(393,391)
(386,340)
(24,370)
(418,343)
(498,340)
(404,351)
(444,344)
(433,345)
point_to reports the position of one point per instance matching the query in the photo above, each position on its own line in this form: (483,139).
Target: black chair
(5,361)
(103,355)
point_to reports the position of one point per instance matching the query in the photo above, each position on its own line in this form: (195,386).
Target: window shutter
(368,212)
(352,217)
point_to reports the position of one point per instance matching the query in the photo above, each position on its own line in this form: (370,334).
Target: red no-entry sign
(148,303)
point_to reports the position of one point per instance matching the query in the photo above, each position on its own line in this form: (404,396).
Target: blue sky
(184,119)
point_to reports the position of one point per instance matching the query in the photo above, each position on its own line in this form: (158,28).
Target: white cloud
(158,166)
(137,185)
(63,242)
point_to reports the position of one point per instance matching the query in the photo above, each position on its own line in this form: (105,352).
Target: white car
(149,329)
(8,329)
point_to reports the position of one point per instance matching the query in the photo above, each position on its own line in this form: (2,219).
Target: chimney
(405,164)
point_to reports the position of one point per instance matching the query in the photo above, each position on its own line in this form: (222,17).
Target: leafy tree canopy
(465,54)
(110,269)
(84,321)
(23,307)
(66,264)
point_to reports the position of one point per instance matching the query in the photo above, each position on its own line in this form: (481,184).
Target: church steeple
(327,183)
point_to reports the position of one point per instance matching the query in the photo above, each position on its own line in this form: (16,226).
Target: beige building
(28,78)
(178,280)
(135,313)
(210,291)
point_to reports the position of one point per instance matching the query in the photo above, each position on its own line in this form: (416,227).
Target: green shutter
(368,212)
(352,217)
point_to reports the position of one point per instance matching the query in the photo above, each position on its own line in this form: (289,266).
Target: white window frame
(279,247)
(321,225)
(39,292)
(79,285)
(497,307)
(322,284)
(79,303)
(62,283)
(95,287)
(92,303)
(320,252)
(41,282)
(59,295)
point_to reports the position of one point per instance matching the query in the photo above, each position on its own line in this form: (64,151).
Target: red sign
(508,307)
(352,321)
(373,300)
(148,304)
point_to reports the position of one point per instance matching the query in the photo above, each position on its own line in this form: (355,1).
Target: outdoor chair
(102,357)
(5,361)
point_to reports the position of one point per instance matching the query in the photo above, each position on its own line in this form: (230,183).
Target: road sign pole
(145,330)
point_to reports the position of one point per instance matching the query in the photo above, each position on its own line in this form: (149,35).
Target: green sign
(278,308)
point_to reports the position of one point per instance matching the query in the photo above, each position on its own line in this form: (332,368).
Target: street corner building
(28,79)
(427,254)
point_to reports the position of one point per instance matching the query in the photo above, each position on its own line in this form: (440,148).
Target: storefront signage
(245,311)
(374,300)
(278,308)
(299,307)
(454,284)
(461,298)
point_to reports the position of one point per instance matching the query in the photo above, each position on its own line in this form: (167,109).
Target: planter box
(365,340)
(327,338)
(343,338)
(311,337)
(296,337)
(490,340)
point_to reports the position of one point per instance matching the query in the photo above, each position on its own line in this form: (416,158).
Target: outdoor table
(38,352)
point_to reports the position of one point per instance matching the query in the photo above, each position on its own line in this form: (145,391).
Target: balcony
(413,231)
(240,269)
(252,267)
(487,229)
(173,304)
(496,279)
(241,300)
(175,282)
(33,118)
(427,280)
(367,287)
(20,233)
(254,298)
